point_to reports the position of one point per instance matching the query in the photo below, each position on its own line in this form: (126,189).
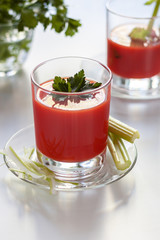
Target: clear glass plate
(25,139)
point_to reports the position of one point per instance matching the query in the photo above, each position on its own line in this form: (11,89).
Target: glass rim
(125,15)
(70,93)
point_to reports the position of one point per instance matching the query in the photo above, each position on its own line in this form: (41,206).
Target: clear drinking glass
(14,48)
(71,128)
(133,48)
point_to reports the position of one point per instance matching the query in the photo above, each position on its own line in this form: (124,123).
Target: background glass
(14,48)
(134,63)
(71,129)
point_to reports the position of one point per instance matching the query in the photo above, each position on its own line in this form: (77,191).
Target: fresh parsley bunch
(28,13)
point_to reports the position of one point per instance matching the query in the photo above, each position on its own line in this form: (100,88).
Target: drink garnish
(140,35)
(77,83)
(34,169)
(117,132)
(122,130)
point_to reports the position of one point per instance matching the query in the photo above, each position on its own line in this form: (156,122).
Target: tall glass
(71,128)
(133,48)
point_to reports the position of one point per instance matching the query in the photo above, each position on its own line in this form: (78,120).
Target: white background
(127,209)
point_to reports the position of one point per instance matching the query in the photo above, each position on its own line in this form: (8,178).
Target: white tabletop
(127,209)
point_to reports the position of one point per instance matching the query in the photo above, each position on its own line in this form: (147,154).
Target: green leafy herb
(77,83)
(24,15)
(141,34)
(53,13)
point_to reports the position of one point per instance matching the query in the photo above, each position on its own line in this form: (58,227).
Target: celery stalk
(38,169)
(122,130)
(27,165)
(1,152)
(151,22)
(23,172)
(119,152)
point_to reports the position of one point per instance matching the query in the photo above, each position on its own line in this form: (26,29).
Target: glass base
(73,171)
(136,88)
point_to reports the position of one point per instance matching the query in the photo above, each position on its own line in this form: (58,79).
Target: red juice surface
(130,61)
(70,135)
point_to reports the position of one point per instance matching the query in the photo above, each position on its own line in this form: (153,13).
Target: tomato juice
(71,134)
(133,61)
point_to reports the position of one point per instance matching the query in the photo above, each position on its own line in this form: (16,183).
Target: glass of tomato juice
(71,128)
(133,48)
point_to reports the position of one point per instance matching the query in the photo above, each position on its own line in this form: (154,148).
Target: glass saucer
(25,139)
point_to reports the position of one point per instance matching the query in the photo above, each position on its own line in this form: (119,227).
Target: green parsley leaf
(91,85)
(77,83)
(72,27)
(58,23)
(61,85)
(29,13)
(28,18)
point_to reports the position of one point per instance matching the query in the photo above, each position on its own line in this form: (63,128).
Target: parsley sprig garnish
(78,83)
(28,13)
